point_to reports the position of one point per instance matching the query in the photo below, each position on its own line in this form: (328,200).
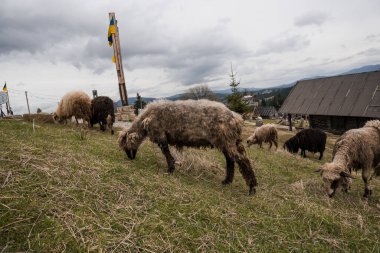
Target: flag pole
(119,63)
(8,103)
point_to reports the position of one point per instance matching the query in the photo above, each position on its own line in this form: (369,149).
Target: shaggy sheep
(190,123)
(77,104)
(313,140)
(103,112)
(266,133)
(354,150)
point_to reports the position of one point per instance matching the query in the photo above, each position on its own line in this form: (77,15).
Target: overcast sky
(51,47)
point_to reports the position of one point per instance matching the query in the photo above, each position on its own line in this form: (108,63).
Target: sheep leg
(169,158)
(230,169)
(377,170)
(102,126)
(276,144)
(76,119)
(110,125)
(245,167)
(366,175)
(270,144)
(320,155)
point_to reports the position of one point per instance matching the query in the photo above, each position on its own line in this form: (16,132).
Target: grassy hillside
(60,192)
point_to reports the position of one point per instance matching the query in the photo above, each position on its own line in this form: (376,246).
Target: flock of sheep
(204,123)
(100,110)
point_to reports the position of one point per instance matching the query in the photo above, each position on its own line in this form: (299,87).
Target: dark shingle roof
(356,95)
(266,111)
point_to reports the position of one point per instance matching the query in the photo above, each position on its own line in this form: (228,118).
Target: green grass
(63,190)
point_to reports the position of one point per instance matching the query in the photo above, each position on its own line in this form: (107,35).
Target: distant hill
(132,100)
(228,91)
(363,69)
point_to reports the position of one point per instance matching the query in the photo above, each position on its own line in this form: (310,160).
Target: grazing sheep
(313,140)
(103,112)
(191,123)
(266,133)
(75,103)
(354,150)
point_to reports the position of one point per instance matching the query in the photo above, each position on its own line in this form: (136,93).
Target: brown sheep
(75,103)
(103,112)
(266,133)
(354,150)
(191,123)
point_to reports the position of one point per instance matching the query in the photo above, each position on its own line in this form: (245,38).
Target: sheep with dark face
(354,150)
(77,104)
(103,112)
(266,133)
(190,123)
(313,140)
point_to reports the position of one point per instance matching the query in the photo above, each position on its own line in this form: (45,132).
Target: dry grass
(63,190)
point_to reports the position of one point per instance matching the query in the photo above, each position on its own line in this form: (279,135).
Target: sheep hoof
(367,193)
(226,181)
(252,191)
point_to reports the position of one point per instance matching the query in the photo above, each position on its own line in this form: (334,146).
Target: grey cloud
(311,18)
(190,59)
(37,27)
(63,32)
(283,43)
(373,38)
(370,52)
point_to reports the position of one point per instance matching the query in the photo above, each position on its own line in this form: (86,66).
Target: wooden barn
(336,104)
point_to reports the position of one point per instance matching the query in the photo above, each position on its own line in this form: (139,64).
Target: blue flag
(111,30)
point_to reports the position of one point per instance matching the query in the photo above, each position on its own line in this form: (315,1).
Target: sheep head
(252,140)
(58,119)
(291,145)
(129,142)
(333,177)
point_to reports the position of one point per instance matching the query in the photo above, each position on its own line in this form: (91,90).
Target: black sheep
(103,112)
(313,140)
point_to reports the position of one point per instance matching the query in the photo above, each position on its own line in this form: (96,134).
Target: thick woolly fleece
(266,133)
(103,112)
(191,123)
(357,149)
(77,104)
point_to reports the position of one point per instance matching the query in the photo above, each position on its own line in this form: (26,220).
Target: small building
(250,100)
(336,104)
(267,112)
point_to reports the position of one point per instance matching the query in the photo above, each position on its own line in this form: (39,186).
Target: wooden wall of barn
(336,124)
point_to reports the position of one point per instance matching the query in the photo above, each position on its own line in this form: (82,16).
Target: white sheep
(266,133)
(75,103)
(354,150)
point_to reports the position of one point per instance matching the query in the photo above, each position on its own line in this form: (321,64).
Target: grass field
(61,190)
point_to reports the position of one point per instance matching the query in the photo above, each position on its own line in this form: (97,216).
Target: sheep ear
(122,139)
(346,174)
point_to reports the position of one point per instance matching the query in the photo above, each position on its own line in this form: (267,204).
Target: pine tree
(139,104)
(235,102)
